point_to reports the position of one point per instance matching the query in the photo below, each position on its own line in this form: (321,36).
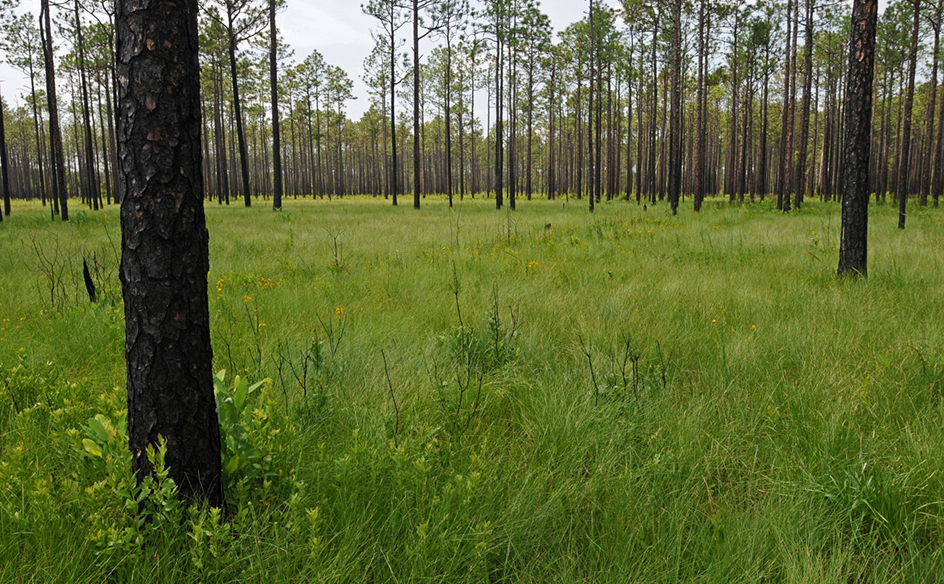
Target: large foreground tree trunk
(853,250)
(165,246)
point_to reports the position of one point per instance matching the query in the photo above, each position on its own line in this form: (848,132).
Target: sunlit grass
(783,426)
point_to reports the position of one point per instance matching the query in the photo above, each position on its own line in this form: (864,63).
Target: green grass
(786,426)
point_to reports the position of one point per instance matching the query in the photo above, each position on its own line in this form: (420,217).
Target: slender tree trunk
(700,125)
(449,119)
(675,131)
(786,159)
(763,173)
(905,156)
(60,189)
(805,107)
(37,122)
(238,114)
(105,165)
(276,132)
(416,105)
(394,165)
(499,127)
(591,111)
(5,163)
(91,180)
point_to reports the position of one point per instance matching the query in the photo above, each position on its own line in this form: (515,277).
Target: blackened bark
(449,119)
(764,185)
(238,114)
(91,182)
(60,190)
(853,250)
(276,138)
(590,110)
(165,246)
(700,113)
(5,163)
(416,105)
(800,178)
(39,142)
(904,161)
(926,184)
(675,131)
(499,127)
(394,164)
(89,283)
(783,183)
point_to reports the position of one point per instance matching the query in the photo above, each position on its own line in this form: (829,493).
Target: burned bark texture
(5,170)
(60,188)
(274,87)
(165,245)
(853,250)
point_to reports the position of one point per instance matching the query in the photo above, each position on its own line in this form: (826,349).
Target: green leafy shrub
(253,448)
(487,348)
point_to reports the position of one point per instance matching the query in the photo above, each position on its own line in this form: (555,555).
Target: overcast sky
(336,28)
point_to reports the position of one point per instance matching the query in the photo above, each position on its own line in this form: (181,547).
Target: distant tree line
(657,100)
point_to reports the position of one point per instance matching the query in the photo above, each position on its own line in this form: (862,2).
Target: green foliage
(253,447)
(787,427)
(491,346)
(130,516)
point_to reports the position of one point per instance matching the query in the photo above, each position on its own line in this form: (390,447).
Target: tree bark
(675,131)
(5,163)
(904,159)
(800,179)
(91,182)
(276,137)
(60,190)
(165,246)
(416,105)
(238,114)
(853,250)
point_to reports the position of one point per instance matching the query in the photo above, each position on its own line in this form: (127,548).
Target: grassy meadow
(477,396)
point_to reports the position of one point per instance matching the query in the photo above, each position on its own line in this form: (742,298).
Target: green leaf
(92,448)
(98,428)
(232,465)
(241,393)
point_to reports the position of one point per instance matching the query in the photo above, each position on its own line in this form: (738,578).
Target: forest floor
(619,397)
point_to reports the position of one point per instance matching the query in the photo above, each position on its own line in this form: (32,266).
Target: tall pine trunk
(165,248)
(853,250)
(60,188)
(904,163)
(274,84)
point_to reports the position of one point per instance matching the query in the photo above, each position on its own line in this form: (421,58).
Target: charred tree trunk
(60,190)
(853,250)
(675,131)
(800,178)
(276,136)
(700,125)
(5,163)
(904,160)
(165,247)
(238,114)
(91,181)
(416,105)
